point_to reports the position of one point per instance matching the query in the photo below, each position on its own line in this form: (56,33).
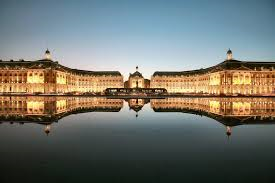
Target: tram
(135,91)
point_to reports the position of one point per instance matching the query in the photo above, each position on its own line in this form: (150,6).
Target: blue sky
(156,35)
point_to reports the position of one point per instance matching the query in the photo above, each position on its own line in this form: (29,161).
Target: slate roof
(48,64)
(229,120)
(225,65)
(136,74)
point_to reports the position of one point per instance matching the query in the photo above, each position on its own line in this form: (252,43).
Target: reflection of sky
(156,35)
(108,145)
(147,120)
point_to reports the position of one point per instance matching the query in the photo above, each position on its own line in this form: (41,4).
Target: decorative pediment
(61,69)
(34,66)
(244,68)
(17,67)
(215,69)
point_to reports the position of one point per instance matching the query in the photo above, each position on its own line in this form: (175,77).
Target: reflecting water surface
(72,139)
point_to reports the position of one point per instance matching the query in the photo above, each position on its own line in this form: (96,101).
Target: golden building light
(230,77)
(48,76)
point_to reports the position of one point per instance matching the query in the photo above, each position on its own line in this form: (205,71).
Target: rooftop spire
(228,131)
(47,129)
(47,51)
(47,55)
(229,54)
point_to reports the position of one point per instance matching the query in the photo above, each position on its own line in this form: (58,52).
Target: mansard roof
(22,64)
(48,119)
(98,73)
(225,65)
(48,64)
(229,120)
(136,74)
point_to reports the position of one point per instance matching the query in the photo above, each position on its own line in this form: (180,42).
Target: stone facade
(231,77)
(47,76)
(135,80)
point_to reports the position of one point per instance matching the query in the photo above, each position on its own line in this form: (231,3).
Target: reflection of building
(228,111)
(47,76)
(236,107)
(35,106)
(136,80)
(46,110)
(229,77)
(137,104)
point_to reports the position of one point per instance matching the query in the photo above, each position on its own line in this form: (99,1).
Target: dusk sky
(156,35)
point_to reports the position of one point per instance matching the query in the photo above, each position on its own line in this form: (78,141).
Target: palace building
(136,85)
(136,80)
(231,77)
(48,76)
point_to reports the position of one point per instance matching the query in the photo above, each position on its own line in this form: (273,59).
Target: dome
(229,51)
(47,55)
(47,129)
(138,74)
(228,133)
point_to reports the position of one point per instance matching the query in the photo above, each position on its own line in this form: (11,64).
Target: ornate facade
(229,111)
(136,80)
(47,76)
(231,77)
